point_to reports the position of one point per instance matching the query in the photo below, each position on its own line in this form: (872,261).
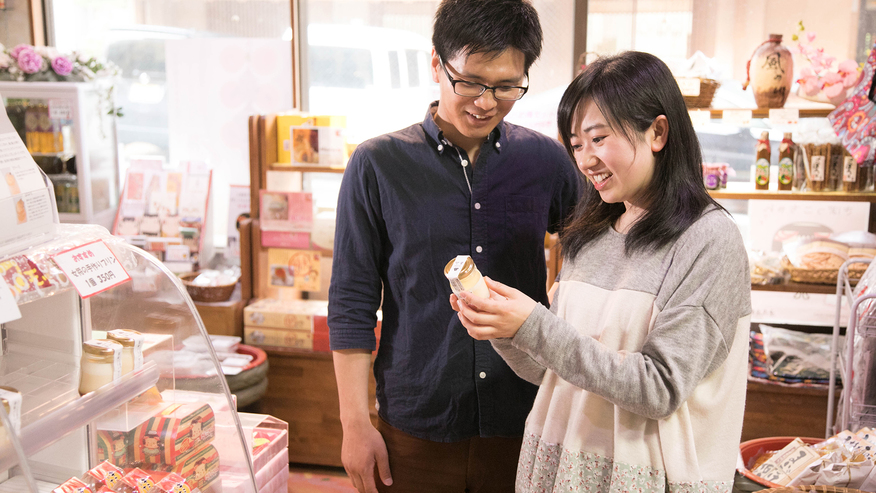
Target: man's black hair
(464,27)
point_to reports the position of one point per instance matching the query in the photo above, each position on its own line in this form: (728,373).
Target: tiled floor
(316,479)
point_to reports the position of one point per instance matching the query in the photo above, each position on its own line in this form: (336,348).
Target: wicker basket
(207,294)
(707,93)
(822,276)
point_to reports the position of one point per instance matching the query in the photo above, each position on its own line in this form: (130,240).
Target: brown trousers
(477,465)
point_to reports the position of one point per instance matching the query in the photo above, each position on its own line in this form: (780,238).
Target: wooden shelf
(796,287)
(718,113)
(746,193)
(306,169)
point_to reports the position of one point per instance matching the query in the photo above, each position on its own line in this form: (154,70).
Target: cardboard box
(173,433)
(302,315)
(287,121)
(278,337)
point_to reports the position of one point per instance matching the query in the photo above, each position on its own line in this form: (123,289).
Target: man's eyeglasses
(473,89)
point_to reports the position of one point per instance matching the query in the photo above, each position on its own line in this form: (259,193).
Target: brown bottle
(762,165)
(786,162)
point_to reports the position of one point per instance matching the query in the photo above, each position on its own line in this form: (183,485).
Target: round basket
(822,276)
(207,294)
(707,93)
(752,449)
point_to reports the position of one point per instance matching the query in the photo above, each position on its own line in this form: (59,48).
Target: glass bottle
(132,348)
(101,363)
(786,162)
(762,165)
(465,276)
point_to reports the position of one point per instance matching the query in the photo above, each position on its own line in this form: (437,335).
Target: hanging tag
(92,268)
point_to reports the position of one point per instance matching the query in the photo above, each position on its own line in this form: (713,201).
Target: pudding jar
(101,363)
(465,276)
(132,348)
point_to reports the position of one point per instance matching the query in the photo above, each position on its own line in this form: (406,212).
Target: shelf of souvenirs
(718,113)
(746,191)
(796,287)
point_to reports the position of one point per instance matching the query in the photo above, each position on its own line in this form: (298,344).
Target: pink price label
(92,268)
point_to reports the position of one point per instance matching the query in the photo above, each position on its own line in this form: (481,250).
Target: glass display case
(71,135)
(169,411)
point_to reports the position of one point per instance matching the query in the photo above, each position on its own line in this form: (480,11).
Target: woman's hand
(499,316)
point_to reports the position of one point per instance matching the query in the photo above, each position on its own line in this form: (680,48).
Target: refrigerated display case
(173,412)
(69,131)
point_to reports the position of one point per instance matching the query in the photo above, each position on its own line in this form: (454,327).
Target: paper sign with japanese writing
(8,307)
(92,268)
(297,269)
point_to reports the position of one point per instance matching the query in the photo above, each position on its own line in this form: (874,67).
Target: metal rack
(851,414)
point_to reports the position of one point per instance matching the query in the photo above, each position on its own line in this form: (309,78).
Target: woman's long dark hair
(631,90)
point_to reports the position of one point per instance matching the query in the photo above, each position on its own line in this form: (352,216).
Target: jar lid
(467,268)
(125,337)
(101,347)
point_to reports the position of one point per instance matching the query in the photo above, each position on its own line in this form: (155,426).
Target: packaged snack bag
(103,474)
(73,485)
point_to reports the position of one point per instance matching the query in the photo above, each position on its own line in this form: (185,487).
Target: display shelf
(796,287)
(18,484)
(307,169)
(718,113)
(746,191)
(50,427)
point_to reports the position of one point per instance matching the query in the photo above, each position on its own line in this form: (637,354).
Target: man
(462,182)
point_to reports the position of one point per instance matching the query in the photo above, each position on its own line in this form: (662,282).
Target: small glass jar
(101,363)
(132,348)
(465,276)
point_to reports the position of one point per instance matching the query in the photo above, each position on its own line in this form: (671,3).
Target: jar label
(453,275)
(817,164)
(850,169)
(786,171)
(14,400)
(762,172)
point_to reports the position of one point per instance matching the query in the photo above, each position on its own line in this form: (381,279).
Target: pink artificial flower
(811,86)
(832,90)
(810,37)
(62,65)
(29,61)
(5,60)
(849,70)
(15,51)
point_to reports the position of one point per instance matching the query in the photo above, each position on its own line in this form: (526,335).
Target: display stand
(852,415)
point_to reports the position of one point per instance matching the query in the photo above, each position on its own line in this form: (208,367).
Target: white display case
(64,434)
(71,135)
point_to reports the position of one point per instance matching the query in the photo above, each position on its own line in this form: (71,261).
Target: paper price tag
(60,109)
(784,116)
(689,86)
(739,118)
(8,307)
(92,268)
(700,117)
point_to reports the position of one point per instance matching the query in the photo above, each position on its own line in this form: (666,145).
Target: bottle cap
(125,337)
(467,268)
(102,348)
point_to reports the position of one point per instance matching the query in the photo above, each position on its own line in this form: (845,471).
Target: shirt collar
(497,137)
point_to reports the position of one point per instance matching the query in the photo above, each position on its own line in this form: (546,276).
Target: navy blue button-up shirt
(404,211)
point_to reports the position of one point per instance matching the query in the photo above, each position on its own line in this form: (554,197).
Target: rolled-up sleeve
(356,286)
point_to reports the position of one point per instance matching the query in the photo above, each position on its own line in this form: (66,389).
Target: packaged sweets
(200,467)
(818,179)
(854,178)
(113,446)
(136,481)
(465,276)
(172,433)
(73,485)
(172,483)
(103,474)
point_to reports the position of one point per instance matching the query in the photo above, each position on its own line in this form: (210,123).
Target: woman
(642,358)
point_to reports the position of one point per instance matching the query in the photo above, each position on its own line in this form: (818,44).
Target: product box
(287,121)
(200,467)
(114,446)
(302,315)
(283,338)
(172,433)
(299,269)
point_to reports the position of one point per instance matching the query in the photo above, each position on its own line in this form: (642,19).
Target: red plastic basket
(752,449)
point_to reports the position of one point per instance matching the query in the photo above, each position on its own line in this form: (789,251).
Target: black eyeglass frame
(484,87)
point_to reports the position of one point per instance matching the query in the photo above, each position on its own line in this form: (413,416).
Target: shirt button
(482,375)
(440,147)
(477,205)
(479,249)
(498,145)
(464,163)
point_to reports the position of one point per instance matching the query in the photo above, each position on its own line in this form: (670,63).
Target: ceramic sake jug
(770,73)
